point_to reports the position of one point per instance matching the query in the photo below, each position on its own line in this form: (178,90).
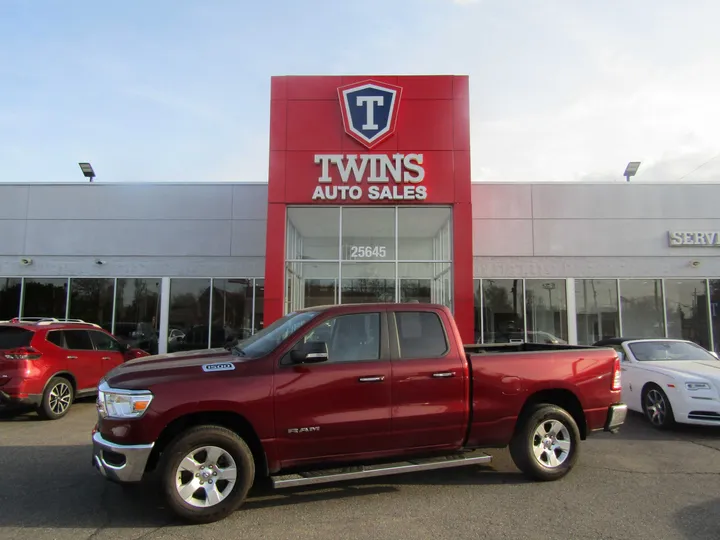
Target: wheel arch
(227,419)
(65,375)
(562,398)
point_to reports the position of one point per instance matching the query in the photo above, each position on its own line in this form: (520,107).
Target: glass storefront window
(137,312)
(380,257)
(368,234)
(546,310)
(425,282)
(310,284)
(715,312)
(502,301)
(231,310)
(368,282)
(91,299)
(686,302)
(188,321)
(424,234)
(641,308)
(259,304)
(10,289)
(598,313)
(45,297)
(313,233)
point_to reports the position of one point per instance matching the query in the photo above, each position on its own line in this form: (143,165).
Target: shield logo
(369,110)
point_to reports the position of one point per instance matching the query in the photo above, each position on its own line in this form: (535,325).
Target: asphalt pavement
(639,484)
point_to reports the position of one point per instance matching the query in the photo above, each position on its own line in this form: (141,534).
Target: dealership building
(368,199)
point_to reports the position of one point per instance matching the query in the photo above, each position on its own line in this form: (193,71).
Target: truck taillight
(617,379)
(22,353)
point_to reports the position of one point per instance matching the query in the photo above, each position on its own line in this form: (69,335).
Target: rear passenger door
(108,350)
(80,355)
(429,383)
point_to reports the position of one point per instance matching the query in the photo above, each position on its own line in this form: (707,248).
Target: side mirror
(312,352)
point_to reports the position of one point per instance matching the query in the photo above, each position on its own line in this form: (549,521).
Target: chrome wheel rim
(551,444)
(656,407)
(206,476)
(59,398)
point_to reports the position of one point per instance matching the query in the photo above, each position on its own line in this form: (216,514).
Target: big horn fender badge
(222,366)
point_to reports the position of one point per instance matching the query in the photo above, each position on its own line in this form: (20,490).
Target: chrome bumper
(118,462)
(616,417)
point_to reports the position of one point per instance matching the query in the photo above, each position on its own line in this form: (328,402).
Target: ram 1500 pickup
(343,392)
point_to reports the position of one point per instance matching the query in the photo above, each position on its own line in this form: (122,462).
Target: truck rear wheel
(206,473)
(546,443)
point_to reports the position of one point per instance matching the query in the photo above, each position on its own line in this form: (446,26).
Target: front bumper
(118,462)
(616,417)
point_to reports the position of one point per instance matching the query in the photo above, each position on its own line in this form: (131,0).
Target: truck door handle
(106,358)
(443,374)
(377,378)
(72,357)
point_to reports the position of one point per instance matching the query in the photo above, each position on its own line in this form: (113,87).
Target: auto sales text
(403,169)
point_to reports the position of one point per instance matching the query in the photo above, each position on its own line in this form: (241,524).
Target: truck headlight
(697,386)
(119,403)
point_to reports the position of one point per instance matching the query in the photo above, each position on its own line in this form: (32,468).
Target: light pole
(631,169)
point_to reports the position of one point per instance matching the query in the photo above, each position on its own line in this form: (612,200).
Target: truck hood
(142,373)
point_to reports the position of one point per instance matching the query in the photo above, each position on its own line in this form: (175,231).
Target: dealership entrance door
(342,255)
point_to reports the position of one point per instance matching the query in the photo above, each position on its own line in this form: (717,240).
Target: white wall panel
(595,267)
(13,201)
(502,201)
(248,237)
(12,236)
(618,237)
(626,201)
(138,237)
(48,266)
(131,201)
(502,237)
(250,202)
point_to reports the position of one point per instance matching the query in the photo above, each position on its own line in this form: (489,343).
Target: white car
(669,380)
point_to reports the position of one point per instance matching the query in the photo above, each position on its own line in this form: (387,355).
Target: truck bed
(505,376)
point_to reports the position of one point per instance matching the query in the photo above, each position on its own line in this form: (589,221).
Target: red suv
(47,363)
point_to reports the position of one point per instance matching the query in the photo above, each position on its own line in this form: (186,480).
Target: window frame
(109,337)
(394,328)
(87,331)
(384,352)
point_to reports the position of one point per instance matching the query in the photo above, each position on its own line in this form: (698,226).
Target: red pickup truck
(342,392)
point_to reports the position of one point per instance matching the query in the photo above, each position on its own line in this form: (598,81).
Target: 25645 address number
(368,252)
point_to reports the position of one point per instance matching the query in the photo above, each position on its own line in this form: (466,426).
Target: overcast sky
(178,90)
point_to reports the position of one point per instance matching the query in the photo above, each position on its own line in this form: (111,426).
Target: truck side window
(350,337)
(421,334)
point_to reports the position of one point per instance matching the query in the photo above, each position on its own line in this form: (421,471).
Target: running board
(369,471)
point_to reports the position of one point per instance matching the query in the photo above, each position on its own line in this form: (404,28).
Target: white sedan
(669,380)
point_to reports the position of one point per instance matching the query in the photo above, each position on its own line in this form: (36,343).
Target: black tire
(524,442)
(657,408)
(192,441)
(57,399)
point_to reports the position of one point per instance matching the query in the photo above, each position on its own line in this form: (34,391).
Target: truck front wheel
(546,443)
(206,473)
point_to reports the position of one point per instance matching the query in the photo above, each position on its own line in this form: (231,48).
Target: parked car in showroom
(669,380)
(347,392)
(46,363)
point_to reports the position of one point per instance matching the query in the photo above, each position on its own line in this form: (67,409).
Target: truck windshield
(267,339)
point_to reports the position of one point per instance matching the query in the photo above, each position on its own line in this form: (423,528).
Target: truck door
(429,381)
(341,406)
